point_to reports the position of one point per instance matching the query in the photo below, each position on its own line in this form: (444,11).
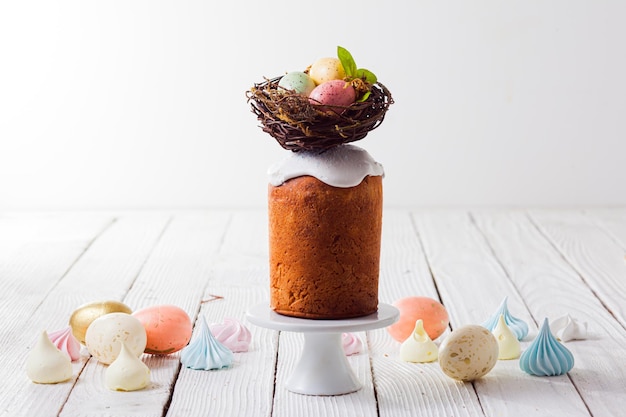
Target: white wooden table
(548,262)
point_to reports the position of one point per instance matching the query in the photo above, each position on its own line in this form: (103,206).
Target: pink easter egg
(168,328)
(333,95)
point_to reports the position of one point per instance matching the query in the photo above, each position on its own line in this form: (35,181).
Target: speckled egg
(468,353)
(433,314)
(326,69)
(335,95)
(84,315)
(298,82)
(168,328)
(105,333)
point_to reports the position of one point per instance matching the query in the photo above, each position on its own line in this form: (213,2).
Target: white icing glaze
(341,166)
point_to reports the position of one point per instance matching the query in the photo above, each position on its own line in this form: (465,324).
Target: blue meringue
(204,352)
(517,326)
(546,356)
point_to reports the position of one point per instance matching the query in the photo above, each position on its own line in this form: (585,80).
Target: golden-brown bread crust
(324,248)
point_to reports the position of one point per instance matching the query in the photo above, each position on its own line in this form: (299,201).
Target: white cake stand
(323,368)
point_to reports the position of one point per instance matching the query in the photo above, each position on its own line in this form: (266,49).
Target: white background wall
(141,104)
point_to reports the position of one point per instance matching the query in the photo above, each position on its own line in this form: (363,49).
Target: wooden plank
(105,271)
(37,252)
(404,271)
(470,280)
(472,283)
(175,272)
(54,264)
(612,221)
(247,388)
(406,389)
(239,275)
(595,255)
(551,288)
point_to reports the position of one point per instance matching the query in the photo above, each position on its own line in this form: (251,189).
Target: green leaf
(349,66)
(367,75)
(365,96)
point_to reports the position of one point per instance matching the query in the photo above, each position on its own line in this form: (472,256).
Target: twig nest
(298,123)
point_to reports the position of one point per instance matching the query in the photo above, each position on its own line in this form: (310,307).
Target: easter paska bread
(325,201)
(324,248)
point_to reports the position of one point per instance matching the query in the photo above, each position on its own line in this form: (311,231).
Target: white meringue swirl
(567,328)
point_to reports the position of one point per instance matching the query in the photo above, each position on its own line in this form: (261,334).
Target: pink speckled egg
(168,328)
(335,95)
(432,313)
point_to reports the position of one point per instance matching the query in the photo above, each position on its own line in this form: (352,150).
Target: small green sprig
(353,72)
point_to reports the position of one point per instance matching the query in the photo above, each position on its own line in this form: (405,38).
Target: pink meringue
(232,334)
(352,343)
(65,341)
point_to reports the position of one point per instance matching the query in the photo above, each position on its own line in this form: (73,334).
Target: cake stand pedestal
(323,368)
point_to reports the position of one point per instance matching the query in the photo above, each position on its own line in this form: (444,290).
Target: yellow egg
(468,353)
(84,315)
(326,69)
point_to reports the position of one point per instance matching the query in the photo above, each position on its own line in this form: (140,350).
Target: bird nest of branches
(299,124)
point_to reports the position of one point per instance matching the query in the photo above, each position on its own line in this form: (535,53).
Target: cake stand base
(323,368)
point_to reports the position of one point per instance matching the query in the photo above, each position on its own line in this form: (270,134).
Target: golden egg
(83,316)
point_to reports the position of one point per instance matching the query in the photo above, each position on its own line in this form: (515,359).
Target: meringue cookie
(127,372)
(567,328)
(46,364)
(418,347)
(204,352)
(232,334)
(65,341)
(546,356)
(351,343)
(508,345)
(517,326)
